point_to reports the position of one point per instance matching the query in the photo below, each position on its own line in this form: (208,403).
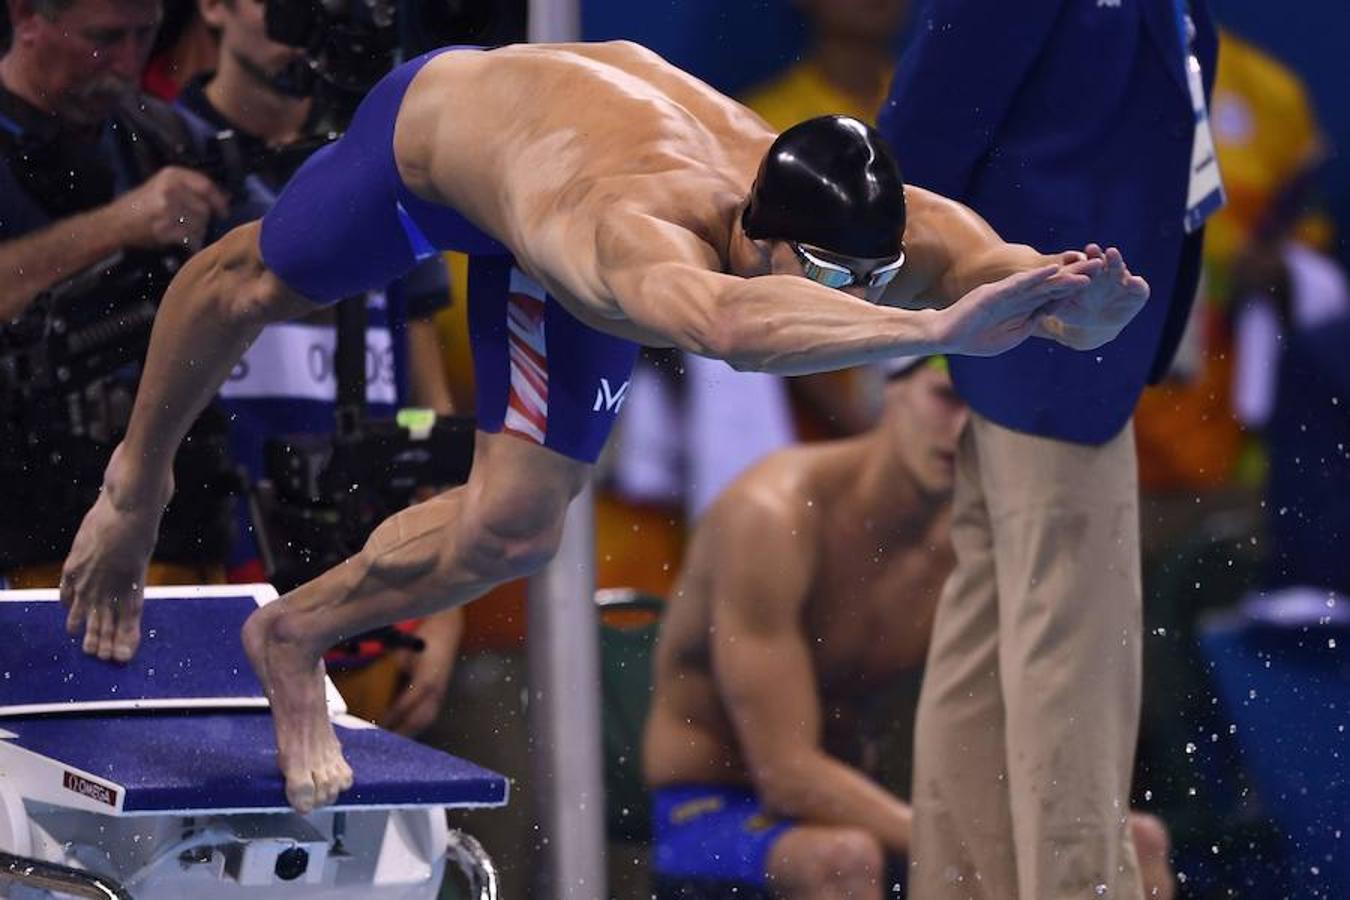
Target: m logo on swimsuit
(91,789)
(612,401)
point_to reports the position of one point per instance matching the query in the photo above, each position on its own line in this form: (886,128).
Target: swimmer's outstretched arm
(789,325)
(952,251)
(214,308)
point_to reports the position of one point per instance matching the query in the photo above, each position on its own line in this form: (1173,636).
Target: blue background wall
(735,43)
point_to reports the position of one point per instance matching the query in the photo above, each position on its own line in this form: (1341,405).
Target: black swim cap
(830,182)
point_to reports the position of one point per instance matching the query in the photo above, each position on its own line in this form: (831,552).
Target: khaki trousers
(1029,710)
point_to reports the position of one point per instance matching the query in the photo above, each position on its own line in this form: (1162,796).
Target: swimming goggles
(817,266)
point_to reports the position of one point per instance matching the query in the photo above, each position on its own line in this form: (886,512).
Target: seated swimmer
(612,200)
(809,585)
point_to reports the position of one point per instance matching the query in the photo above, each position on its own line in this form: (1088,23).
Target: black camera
(323,495)
(349,44)
(78,332)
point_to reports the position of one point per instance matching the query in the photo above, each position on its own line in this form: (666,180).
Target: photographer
(91,170)
(286,382)
(70,106)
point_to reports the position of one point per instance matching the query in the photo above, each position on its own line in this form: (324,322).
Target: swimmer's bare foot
(292,675)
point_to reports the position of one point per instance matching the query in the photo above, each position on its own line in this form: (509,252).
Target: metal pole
(564,658)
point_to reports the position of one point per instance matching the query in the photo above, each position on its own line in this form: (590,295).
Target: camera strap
(153,136)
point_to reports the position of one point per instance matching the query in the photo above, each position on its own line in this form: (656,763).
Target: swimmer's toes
(301,790)
(334,783)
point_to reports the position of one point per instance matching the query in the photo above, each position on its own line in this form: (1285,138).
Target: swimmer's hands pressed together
(1081,300)
(1089,318)
(998,316)
(957,260)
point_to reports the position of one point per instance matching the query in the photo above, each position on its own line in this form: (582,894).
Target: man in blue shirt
(1061,123)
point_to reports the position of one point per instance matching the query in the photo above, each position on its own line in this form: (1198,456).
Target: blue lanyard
(1182,9)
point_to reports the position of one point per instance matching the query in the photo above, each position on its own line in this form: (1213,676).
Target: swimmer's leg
(542,381)
(505,523)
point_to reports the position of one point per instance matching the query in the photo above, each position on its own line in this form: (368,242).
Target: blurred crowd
(132,133)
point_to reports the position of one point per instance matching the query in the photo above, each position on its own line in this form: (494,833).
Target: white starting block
(157,780)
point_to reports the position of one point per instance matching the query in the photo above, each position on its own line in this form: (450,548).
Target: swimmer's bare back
(543,146)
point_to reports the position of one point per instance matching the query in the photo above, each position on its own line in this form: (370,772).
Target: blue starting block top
(190,655)
(183,728)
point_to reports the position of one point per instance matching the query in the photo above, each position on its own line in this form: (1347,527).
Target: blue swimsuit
(346,223)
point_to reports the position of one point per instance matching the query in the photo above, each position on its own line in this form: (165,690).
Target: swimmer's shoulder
(932,219)
(925,209)
(779,495)
(764,530)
